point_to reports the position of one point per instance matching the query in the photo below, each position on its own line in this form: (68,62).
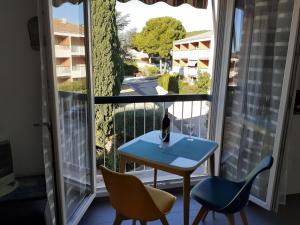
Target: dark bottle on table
(166,128)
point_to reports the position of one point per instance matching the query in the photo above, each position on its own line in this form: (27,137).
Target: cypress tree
(107,64)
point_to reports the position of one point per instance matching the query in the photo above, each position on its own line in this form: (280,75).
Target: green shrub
(203,83)
(163,81)
(169,82)
(130,68)
(111,158)
(186,88)
(73,86)
(118,138)
(176,84)
(150,70)
(173,84)
(139,119)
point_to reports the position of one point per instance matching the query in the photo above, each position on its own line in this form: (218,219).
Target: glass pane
(258,56)
(68,27)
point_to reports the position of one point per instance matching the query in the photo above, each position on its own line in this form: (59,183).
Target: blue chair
(219,195)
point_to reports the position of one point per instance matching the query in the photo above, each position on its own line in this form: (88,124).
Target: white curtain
(50,211)
(259,48)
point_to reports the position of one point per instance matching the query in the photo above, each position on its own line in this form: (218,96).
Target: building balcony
(63,71)
(133,116)
(79,71)
(194,54)
(62,51)
(78,50)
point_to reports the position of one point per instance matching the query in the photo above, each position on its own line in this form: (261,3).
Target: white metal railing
(75,151)
(63,70)
(62,47)
(136,115)
(79,71)
(62,50)
(192,54)
(77,49)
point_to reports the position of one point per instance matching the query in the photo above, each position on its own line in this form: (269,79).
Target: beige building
(193,54)
(69,51)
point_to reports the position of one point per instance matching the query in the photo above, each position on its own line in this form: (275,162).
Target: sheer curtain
(50,211)
(259,48)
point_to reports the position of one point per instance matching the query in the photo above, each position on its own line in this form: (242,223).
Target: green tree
(158,35)
(122,21)
(203,83)
(107,64)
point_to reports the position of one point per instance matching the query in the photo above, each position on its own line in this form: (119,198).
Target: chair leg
(143,222)
(244,217)
(202,212)
(164,221)
(230,218)
(204,216)
(155,178)
(118,219)
(213,214)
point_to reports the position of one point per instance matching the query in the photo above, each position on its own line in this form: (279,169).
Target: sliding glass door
(72,106)
(256,93)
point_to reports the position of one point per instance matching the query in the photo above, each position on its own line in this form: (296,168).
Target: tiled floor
(101,213)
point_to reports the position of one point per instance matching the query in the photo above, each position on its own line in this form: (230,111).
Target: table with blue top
(180,156)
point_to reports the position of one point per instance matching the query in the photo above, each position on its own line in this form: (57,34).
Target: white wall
(20,98)
(293,147)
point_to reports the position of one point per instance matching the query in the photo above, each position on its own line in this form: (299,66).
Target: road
(143,86)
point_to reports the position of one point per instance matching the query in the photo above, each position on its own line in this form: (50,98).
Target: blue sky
(238,27)
(72,13)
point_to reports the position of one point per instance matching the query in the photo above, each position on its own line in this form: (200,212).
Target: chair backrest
(129,196)
(241,198)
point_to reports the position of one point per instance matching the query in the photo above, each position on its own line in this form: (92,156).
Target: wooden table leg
(122,164)
(186,198)
(155,178)
(212,165)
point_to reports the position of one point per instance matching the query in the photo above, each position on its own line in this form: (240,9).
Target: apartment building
(193,54)
(69,50)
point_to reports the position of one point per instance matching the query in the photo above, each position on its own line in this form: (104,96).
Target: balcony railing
(79,71)
(132,116)
(136,115)
(77,49)
(62,51)
(194,54)
(63,70)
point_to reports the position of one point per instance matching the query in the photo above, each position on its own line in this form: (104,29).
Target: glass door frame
(54,113)
(221,69)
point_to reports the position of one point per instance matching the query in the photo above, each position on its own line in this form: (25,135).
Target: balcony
(133,116)
(63,71)
(77,50)
(192,54)
(62,51)
(136,115)
(79,71)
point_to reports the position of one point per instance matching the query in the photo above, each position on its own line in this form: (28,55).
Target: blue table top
(178,153)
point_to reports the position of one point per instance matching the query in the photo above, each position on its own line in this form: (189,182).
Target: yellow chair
(133,200)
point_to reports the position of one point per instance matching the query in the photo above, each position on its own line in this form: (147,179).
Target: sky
(72,13)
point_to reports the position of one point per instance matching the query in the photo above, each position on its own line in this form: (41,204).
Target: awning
(57,3)
(202,4)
